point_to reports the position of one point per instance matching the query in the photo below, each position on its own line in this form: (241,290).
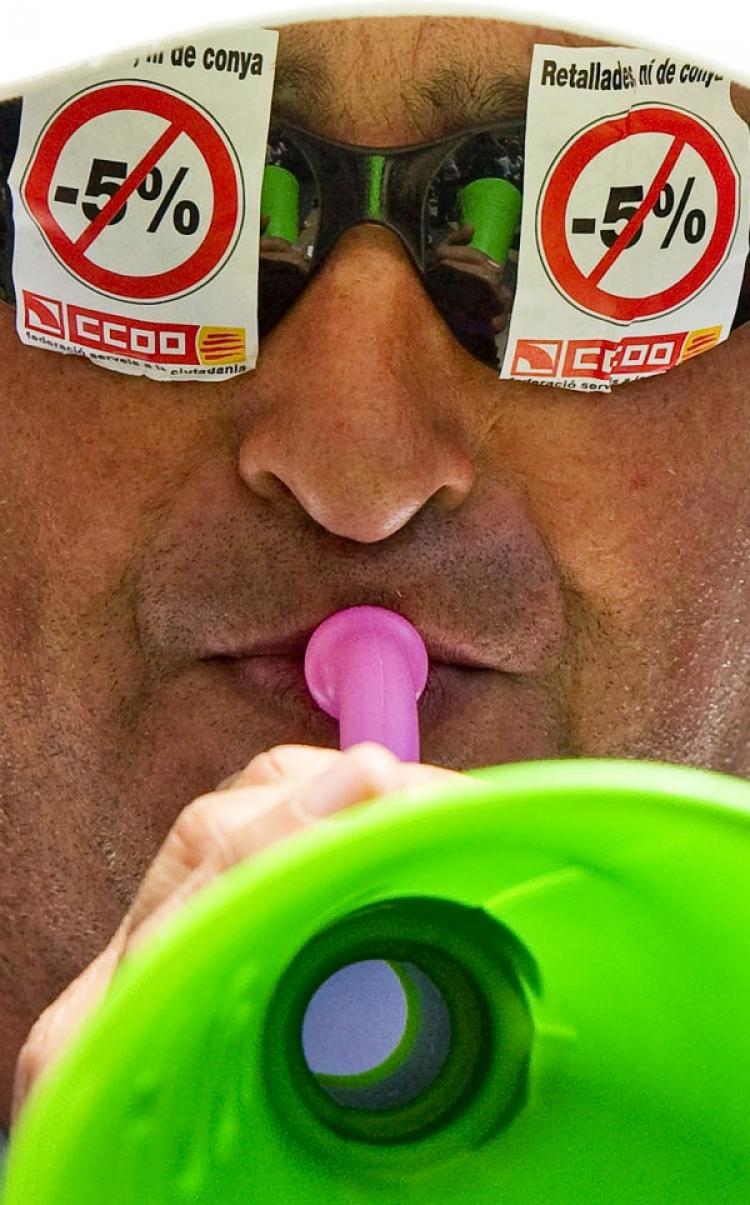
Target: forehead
(395,80)
(400,79)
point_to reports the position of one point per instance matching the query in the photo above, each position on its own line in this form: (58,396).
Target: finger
(234,824)
(61,1021)
(418,779)
(469,255)
(463,234)
(284,762)
(368,771)
(204,829)
(364,772)
(272,243)
(253,819)
(247,820)
(220,830)
(140,926)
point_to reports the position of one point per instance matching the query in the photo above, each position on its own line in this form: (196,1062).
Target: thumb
(54,1028)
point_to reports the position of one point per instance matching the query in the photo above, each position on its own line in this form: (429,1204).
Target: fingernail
(346,783)
(324,794)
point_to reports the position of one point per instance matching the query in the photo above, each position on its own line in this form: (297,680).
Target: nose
(356,411)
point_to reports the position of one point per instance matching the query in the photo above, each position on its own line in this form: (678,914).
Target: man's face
(589,548)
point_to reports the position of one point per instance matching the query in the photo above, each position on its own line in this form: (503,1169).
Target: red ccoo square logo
(536,357)
(43,315)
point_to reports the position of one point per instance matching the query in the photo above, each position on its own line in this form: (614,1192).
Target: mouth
(486,701)
(277,680)
(453,652)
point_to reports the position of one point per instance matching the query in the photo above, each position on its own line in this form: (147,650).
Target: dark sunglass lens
(473,219)
(290,213)
(743,305)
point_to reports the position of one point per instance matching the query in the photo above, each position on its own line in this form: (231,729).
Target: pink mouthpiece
(367,667)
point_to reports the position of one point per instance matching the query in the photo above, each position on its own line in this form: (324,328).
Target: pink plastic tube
(367,667)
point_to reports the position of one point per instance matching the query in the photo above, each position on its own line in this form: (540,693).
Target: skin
(595,548)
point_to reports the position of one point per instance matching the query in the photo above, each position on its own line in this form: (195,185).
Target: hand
(280,792)
(274,249)
(455,253)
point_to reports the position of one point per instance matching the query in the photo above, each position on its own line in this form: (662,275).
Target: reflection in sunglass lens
(289,215)
(473,218)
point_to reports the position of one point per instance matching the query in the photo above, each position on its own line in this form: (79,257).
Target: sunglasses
(455,204)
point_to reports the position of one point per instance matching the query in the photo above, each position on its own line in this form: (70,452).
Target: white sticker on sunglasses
(634,231)
(136,192)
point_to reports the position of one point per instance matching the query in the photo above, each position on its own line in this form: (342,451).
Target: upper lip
(441,648)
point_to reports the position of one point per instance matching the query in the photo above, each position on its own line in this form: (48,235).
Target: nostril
(266,485)
(451,496)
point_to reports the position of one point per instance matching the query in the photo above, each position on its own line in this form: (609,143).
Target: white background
(39,36)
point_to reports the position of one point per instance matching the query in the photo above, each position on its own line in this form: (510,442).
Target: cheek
(640,496)
(90,461)
(643,502)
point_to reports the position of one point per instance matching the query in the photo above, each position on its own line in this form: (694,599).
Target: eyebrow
(458,97)
(452,99)
(302,87)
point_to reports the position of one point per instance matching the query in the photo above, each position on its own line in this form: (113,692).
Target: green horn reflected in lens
(493,207)
(279,201)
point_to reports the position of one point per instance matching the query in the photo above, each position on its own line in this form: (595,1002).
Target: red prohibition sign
(584,290)
(183,117)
